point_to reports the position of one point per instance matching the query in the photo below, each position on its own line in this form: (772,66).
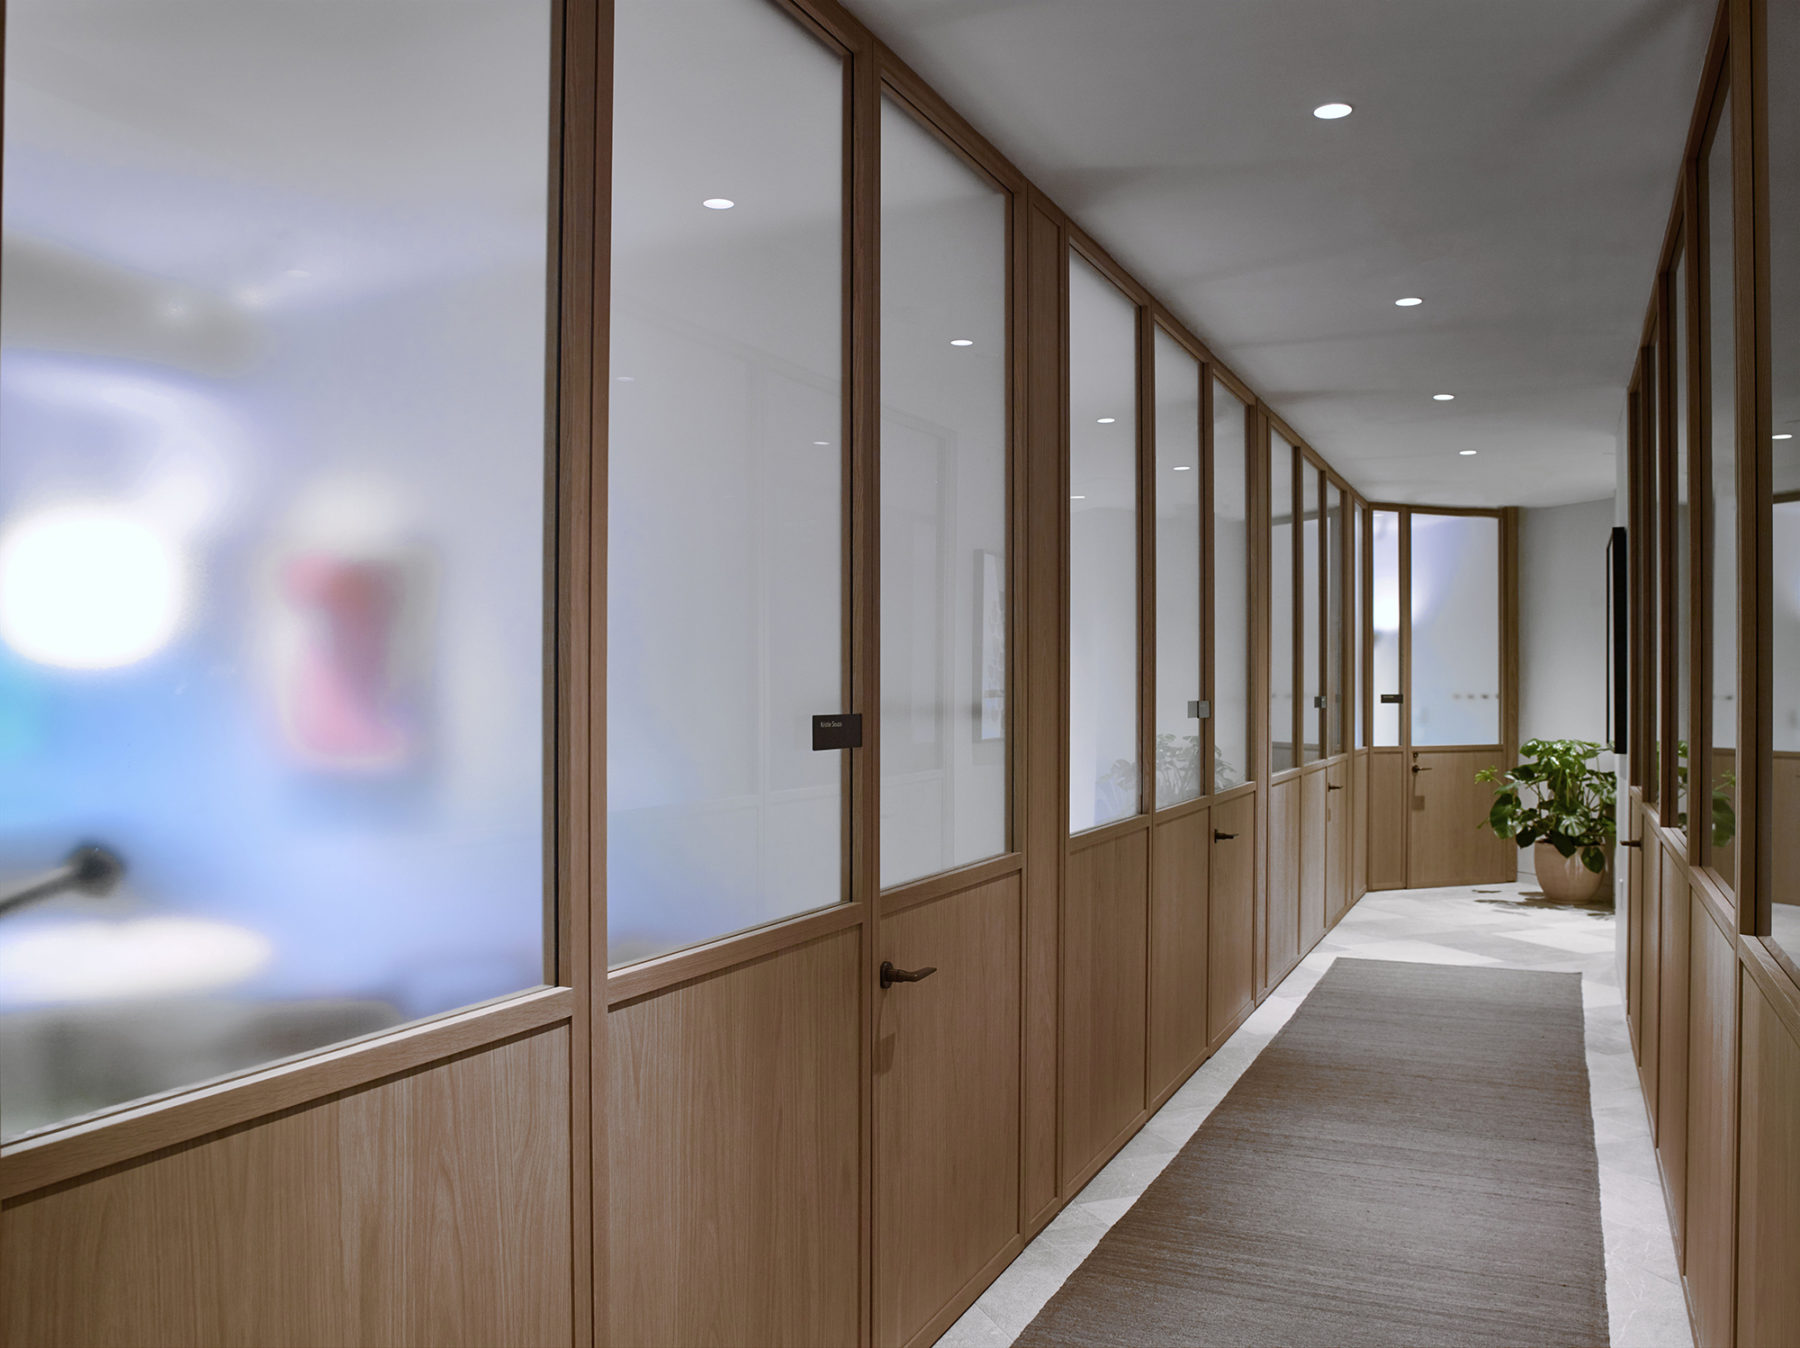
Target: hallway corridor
(1494,925)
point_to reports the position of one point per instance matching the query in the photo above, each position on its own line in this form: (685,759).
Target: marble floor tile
(1504,925)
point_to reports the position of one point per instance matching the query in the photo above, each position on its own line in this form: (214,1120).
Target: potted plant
(1559,803)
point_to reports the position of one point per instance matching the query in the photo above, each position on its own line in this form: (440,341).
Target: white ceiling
(1511,162)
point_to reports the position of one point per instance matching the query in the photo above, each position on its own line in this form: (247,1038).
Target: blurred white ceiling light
(1443,397)
(1184,467)
(961,341)
(1106,421)
(1466,453)
(1330,112)
(1078,498)
(718,203)
(1410,302)
(89,587)
(1785,435)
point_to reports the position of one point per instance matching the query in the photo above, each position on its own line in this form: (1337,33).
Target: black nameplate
(843,730)
(1319,704)
(1199,711)
(1391,697)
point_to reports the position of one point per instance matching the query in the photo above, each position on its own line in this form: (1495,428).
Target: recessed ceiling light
(1785,435)
(1078,498)
(1443,397)
(962,341)
(1106,421)
(1184,467)
(822,444)
(1410,302)
(1330,112)
(628,379)
(718,203)
(1466,453)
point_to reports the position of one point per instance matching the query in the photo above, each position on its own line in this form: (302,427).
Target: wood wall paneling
(1446,842)
(430,1208)
(1359,826)
(1313,832)
(1105,925)
(1179,926)
(946,1103)
(1768,1245)
(1231,910)
(1711,1216)
(1674,913)
(734,1142)
(1337,840)
(1650,977)
(1284,878)
(1389,791)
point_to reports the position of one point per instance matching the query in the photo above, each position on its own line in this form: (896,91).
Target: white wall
(1562,624)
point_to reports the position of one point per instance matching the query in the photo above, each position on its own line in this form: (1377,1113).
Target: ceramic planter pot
(1563,879)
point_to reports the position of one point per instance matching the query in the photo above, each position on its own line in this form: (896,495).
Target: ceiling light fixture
(1410,302)
(1443,397)
(1785,435)
(1330,112)
(962,341)
(718,203)
(628,379)
(1466,453)
(1184,467)
(1078,498)
(823,444)
(1106,421)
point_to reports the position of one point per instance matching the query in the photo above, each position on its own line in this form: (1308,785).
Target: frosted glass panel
(1178,481)
(943,507)
(1103,551)
(1782,128)
(1281,604)
(1719,825)
(1455,629)
(1651,536)
(1312,699)
(272,389)
(725,459)
(1359,534)
(1684,680)
(1231,592)
(1334,619)
(1384,621)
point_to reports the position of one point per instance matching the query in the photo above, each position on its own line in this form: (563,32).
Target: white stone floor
(1502,925)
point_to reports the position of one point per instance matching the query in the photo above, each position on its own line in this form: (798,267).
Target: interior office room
(881,673)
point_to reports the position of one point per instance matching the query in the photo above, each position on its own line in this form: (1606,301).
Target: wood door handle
(1222,837)
(1631,842)
(1417,768)
(890,975)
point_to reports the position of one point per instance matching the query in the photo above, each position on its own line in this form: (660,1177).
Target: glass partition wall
(1311,649)
(1231,463)
(272,540)
(1179,479)
(1779,914)
(1283,473)
(1104,779)
(1717,759)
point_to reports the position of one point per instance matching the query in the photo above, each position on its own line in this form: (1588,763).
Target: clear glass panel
(1719,830)
(725,461)
(1651,421)
(1455,629)
(1312,692)
(1384,618)
(943,507)
(1783,131)
(1683,569)
(1103,551)
(1334,619)
(272,395)
(1178,480)
(1281,604)
(1231,591)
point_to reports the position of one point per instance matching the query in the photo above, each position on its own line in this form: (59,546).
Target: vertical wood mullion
(1665,554)
(1699,801)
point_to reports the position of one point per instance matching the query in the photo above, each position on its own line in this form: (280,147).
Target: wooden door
(1337,841)
(1313,796)
(1179,930)
(1389,798)
(946,1103)
(1446,843)
(1231,912)
(1283,911)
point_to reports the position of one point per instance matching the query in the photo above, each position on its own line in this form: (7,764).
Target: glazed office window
(1312,645)
(1103,551)
(1783,130)
(1282,456)
(725,461)
(1384,623)
(1455,601)
(272,552)
(1680,540)
(1334,619)
(1231,590)
(1178,481)
(1718,830)
(943,507)
(1650,532)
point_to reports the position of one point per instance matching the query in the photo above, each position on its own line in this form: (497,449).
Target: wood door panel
(1649,1055)
(1105,926)
(1768,1245)
(1387,819)
(946,1102)
(1284,878)
(734,1110)
(431,1208)
(1231,908)
(1178,946)
(1359,827)
(1711,1126)
(1673,913)
(1337,838)
(1634,928)
(1445,841)
(1312,858)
